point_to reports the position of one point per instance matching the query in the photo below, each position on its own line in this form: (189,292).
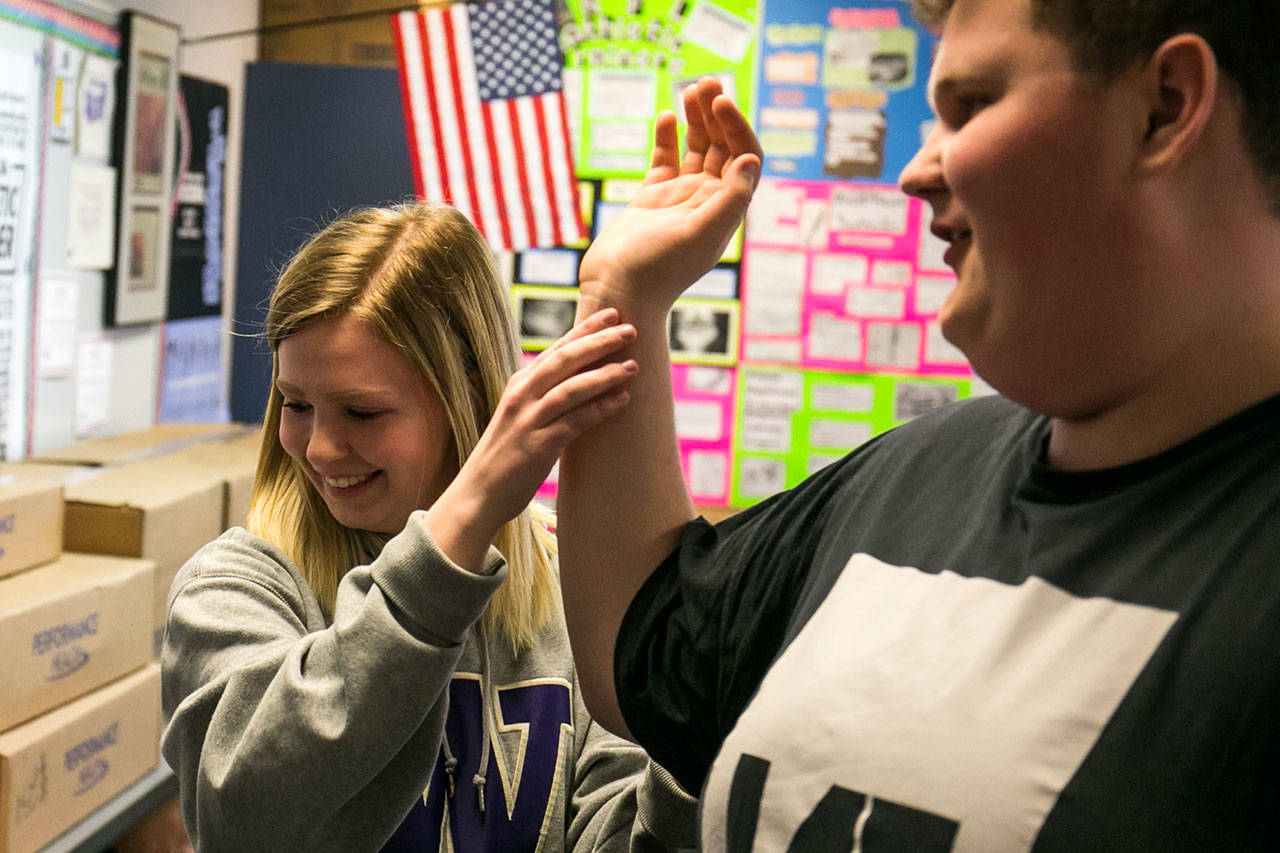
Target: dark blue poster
(195,269)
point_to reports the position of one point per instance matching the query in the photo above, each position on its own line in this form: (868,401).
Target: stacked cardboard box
(157,494)
(231,457)
(79,714)
(68,627)
(150,510)
(30,521)
(91,536)
(59,767)
(137,445)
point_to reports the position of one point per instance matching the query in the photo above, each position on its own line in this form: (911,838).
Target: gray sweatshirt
(395,724)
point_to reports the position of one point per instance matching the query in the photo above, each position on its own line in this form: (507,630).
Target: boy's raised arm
(622,498)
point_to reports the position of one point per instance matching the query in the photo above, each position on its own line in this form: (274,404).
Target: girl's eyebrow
(336,396)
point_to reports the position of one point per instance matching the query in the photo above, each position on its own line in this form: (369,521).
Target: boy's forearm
(621,505)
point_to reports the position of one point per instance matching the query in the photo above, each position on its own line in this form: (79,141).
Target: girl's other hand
(565,391)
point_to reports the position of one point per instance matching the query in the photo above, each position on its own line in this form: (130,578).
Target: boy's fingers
(738,136)
(709,88)
(695,135)
(665,162)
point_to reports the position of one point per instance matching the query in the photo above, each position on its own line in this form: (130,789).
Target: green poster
(627,60)
(790,423)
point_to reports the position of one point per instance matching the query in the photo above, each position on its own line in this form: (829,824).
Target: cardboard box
(68,627)
(331,32)
(152,509)
(30,520)
(136,446)
(232,458)
(58,768)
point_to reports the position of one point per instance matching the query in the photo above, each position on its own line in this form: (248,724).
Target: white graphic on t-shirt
(963,701)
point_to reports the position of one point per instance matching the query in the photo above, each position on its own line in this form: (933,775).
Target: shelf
(99,830)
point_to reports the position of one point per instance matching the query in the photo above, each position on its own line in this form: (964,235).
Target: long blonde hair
(423,278)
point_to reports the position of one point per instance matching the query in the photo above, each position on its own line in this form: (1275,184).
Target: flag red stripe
(573,183)
(504,221)
(463,133)
(515,158)
(557,238)
(433,102)
(522,168)
(406,102)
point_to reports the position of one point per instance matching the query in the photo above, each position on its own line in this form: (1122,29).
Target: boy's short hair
(1105,37)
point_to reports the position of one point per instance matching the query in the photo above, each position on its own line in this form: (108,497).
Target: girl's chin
(369,522)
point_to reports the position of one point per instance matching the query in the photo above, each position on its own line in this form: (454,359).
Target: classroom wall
(222,60)
(131,356)
(823,310)
(320,139)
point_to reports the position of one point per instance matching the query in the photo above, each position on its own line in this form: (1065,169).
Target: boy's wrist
(635,302)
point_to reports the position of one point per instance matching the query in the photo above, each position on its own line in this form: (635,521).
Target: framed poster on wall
(138,285)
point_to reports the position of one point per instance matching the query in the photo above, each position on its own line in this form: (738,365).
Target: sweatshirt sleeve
(622,801)
(285,738)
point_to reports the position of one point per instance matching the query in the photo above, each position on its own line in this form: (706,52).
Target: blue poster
(842,89)
(192,386)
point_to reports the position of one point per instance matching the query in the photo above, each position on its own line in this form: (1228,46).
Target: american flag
(485,115)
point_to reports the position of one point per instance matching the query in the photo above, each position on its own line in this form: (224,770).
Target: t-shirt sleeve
(709,621)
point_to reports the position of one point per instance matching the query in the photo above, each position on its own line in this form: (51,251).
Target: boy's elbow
(602,703)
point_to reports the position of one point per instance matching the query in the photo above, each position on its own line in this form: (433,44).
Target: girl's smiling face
(370,431)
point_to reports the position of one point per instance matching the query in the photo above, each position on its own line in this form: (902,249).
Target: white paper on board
(93,384)
(56,324)
(91,219)
(96,100)
(776,287)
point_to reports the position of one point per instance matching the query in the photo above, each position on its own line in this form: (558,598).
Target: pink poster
(704,411)
(704,406)
(845,277)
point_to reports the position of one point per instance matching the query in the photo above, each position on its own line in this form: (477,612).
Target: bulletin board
(842,89)
(22,74)
(819,328)
(841,278)
(67,375)
(60,368)
(319,140)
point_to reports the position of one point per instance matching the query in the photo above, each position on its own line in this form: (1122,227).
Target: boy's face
(1030,171)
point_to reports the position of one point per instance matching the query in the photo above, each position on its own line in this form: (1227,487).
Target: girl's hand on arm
(565,391)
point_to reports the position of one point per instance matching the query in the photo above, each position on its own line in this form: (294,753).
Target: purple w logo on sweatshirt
(545,709)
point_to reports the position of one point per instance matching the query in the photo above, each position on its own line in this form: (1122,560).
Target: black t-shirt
(939,642)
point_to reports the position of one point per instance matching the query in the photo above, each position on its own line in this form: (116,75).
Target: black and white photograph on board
(703,331)
(543,314)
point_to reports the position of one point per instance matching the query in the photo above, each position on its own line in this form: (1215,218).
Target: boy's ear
(1181,85)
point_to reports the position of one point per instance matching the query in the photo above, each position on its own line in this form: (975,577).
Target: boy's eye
(973,106)
(363,414)
(956,108)
(295,407)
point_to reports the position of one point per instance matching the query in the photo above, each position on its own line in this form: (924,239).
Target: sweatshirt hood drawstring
(450,761)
